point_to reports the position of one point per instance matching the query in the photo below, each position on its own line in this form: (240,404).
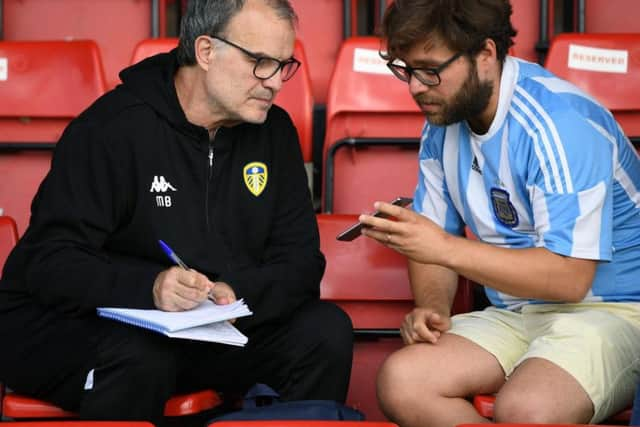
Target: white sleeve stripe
(620,175)
(450,164)
(545,143)
(540,214)
(425,133)
(536,147)
(587,229)
(554,133)
(433,182)
(557,85)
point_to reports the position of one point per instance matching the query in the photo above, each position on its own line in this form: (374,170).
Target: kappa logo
(255,177)
(161,185)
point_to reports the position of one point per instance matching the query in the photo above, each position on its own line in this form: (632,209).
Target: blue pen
(172,255)
(175,258)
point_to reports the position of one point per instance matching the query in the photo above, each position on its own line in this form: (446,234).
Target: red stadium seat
(320,29)
(93,20)
(16,406)
(149,47)
(49,423)
(295,96)
(525,19)
(43,85)
(484,405)
(302,423)
(372,134)
(370,282)
(601,17)
(606,66)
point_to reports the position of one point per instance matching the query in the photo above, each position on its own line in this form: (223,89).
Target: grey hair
(211,17)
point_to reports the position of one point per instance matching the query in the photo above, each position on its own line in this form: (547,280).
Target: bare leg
(541,392)
(427,384)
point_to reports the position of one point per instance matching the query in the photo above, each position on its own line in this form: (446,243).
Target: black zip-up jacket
(131,170)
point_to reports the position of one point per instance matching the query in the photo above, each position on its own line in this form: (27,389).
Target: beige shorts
(597,343)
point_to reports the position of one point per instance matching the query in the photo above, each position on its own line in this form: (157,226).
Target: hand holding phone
(355,230)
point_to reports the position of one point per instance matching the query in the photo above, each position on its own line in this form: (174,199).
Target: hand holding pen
(178,289)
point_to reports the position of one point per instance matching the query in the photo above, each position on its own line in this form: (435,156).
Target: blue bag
(261,403)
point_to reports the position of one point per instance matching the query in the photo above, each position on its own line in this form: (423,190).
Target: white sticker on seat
(4,69)
(597,59)
(369,61)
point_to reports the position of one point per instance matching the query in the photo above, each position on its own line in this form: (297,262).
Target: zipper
(209,176)
(210,160)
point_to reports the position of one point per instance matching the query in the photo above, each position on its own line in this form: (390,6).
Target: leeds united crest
(255,177)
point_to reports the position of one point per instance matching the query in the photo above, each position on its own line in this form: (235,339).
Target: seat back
(370,283)
(93,20)
(149,47)
(43,85)
(296,97)
(372,132)
(601,17)
(526,18)
(320,29)
(368,280)
(20,407)
(607,67)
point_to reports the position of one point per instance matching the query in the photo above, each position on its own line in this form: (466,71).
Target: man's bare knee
(516,408)
(397,385)
(532,408)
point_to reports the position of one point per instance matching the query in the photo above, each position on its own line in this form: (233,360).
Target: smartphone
(354,231)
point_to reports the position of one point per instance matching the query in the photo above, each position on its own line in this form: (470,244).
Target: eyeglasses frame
(256,57)
(410,70)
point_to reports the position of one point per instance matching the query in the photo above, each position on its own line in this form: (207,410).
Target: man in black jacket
(188,149)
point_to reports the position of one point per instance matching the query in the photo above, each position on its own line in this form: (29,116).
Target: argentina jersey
(554,170)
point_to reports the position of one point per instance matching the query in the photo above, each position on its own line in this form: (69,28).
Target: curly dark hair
(463,25)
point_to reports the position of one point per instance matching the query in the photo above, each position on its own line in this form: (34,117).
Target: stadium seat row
(45,84)
(367,280)
(372,124)
(322,26)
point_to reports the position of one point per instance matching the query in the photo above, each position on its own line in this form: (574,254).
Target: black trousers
(136,371)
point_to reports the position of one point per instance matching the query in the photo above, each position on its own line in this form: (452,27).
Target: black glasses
(265,66)
(429,76)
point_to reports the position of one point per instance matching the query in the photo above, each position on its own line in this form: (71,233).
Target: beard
(469,102)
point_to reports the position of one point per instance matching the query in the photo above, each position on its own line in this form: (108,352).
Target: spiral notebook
(206,322)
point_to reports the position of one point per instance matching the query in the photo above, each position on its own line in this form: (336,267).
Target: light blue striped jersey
(554,170)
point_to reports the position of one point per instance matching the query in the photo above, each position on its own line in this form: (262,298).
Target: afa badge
(255,177)
(503,208)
